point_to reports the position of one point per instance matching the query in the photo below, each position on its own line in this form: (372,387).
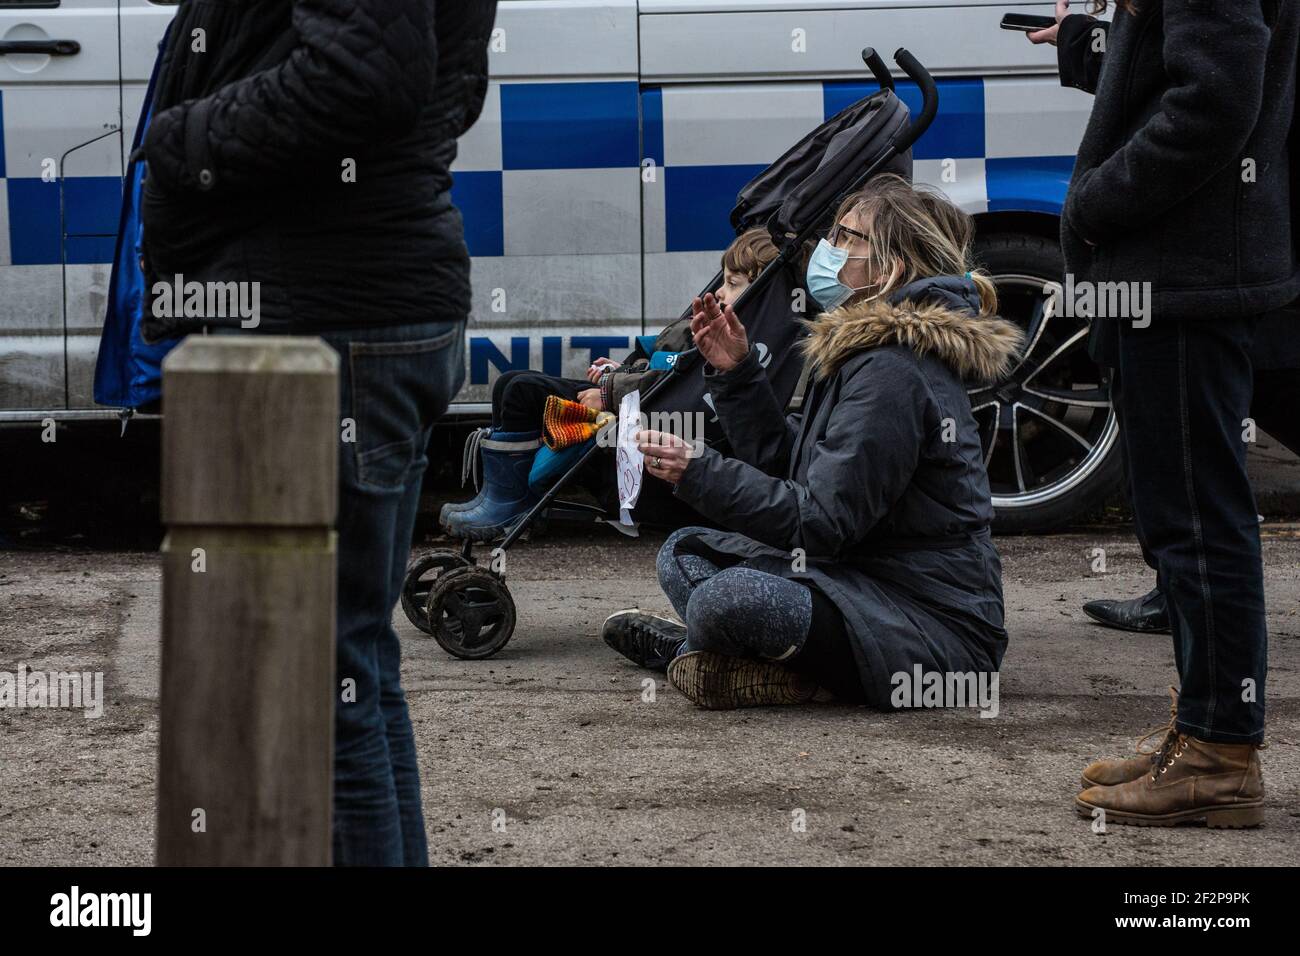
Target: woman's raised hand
(718,334)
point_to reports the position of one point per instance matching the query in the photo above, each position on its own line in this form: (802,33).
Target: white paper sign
(628,459)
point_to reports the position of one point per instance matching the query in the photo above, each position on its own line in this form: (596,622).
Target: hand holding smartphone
(1038,29)
(1026,23)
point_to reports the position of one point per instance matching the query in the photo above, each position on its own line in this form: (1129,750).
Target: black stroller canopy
(802,183)
(796,193)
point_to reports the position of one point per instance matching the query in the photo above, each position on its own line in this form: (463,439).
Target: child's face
(733,283)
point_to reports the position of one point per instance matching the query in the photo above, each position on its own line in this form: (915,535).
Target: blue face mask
(823,276)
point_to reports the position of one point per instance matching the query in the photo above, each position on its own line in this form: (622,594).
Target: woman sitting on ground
(859,545)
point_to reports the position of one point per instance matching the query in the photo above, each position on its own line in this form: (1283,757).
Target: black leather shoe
(644,639)
(1148,614)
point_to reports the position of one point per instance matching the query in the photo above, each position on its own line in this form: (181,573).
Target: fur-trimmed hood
(938,317)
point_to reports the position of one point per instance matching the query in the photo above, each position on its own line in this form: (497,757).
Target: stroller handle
(929,97)
(877,67)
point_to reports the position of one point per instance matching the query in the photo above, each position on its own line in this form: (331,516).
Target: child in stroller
(510,445)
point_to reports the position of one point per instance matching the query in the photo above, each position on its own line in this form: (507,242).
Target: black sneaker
(645,639)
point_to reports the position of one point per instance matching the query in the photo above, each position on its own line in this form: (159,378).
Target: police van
(596,188)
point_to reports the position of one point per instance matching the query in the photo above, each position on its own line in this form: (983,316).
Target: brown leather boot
(1108,773)
(1194,780)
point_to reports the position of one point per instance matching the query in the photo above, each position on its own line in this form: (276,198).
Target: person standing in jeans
(1182,191)
(301,150)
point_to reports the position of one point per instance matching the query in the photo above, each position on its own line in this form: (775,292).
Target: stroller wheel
(420,576)
(471,612)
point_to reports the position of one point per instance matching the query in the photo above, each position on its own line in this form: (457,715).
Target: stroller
(467,607)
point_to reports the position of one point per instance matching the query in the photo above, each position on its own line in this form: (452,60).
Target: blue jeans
(395,382)
(1182,389)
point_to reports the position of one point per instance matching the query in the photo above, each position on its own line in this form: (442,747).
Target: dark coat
(252,136)
(1187,92)
(879,479)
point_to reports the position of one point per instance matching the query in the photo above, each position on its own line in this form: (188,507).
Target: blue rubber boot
(506,497)
(469,464)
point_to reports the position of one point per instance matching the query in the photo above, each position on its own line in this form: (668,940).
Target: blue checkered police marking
(477,194)
(698,202)
(1034,183)
(568,125)
(89,206)
(958,128)
(561,211)
(550,129)
(652,126)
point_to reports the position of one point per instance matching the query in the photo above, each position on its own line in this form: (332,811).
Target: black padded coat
(306,145)
(1185,177)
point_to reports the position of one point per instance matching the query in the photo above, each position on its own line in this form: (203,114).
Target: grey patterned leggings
(735,610)
(741,611)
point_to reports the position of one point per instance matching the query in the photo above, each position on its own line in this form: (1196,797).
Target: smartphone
(1026,23)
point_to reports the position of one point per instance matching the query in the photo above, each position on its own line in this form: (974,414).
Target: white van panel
(671,280)
(61,158)
(733,123)
(575,38)
(760,41)
(87,286)
(29,363)
(1033,116)
(25,294)
(143,24)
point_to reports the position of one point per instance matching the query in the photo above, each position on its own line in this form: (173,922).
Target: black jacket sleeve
(752,419)
(1079,50)
(360,71)
(1203,122)
(859,469)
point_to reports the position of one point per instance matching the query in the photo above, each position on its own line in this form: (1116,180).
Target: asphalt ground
(557,751)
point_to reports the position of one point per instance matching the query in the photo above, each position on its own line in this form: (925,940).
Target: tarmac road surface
(554,752)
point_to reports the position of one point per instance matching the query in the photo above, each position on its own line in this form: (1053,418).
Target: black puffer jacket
(306,145)
(1188,92)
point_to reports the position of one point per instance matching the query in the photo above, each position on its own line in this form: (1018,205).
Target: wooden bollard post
(249,494)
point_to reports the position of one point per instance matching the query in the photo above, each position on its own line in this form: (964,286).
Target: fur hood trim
(977,348)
